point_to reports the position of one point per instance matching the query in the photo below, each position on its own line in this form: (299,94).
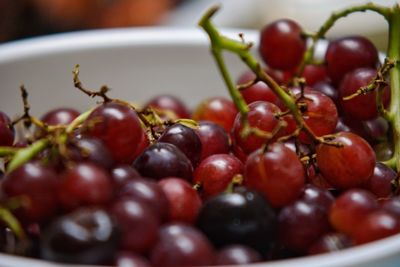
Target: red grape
(349,53)
(219,110)
(60,116)
(282,44)
(362,107)
(261,115)
(118,127)
(184,202)
(216,172)
(180,245)
(84,184)
(276,172)
(6,131)
(351,208)
(169,103)
(347,166)
(36,184)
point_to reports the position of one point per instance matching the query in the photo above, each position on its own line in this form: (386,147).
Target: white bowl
(138,64)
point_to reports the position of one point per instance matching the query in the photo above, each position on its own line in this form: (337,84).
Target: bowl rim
(112,38)
(159,37)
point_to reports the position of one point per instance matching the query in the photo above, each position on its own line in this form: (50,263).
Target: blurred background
(26,18)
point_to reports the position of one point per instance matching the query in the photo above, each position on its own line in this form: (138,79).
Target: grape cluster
(221,185)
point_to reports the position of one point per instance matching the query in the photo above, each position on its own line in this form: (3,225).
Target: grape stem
(320,34)
(394,55)
(25,154)
(220,43)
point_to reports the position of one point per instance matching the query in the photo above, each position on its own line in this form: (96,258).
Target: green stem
(320,34)
(78,121)
(220,43)
(7,151)
(25,154)
(394,54)
(8,218)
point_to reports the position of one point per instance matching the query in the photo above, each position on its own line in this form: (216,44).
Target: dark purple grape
(123,173)
(329,90)
(185,139)
(317,196)
(214,139)
(242,217)
(146,191)
(86,236)
(301,223)
(380,182)
(163,160)
(6,131)
(237,255)
(180,245)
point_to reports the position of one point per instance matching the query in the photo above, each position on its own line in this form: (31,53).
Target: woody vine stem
(219,43)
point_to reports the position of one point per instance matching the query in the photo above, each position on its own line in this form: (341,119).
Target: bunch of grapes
(302,160)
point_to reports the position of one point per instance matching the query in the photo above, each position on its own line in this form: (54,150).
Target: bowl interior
(138,64)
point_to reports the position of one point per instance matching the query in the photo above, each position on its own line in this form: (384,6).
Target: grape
(84,184)
(347,166)
(60,116)
(35,185)
(184,202)
(90,150)
(315,74)
(330,242)
(181,245)
(317,196)
(138,224)
(349,53)
(350,208)
(163,160)
(392,206)
(261,115)
(241,217)
(380,182)
(329,90)
(169,103)
(129,259)
(320,115)
(214,139)
(237,255)
(258,91)
(377,225)
(86,236)
(148,192)
(121,174)
(219,110)
(6,131)
(216,172)
(118,127)
(277,173)
(361,107)
(185,139)
(282,44)
(300,224)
